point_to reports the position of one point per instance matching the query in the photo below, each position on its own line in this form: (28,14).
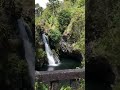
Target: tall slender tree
(39,9)
(53,5)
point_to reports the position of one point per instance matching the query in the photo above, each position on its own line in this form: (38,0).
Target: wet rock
(66,50)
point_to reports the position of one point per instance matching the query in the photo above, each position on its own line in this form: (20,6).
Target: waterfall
(52,60)
(29,51)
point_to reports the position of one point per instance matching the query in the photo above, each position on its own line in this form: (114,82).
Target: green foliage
(67,4)
(65,88)
(38,10)
(37,30)
(37,20)
(76,28)
(40,86)
(80,44)
(55,35)
(80,3)
(40,53)
(53,5)
(64,18)
(82,84)
(46,15)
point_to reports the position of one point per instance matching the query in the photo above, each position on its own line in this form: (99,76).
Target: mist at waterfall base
(55,63)
(66,63)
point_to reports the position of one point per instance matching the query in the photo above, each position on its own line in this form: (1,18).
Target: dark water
(66,63)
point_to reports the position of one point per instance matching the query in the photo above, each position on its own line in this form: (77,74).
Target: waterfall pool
(66,63)
(55,63)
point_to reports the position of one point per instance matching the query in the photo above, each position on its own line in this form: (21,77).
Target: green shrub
(40,53)
(65,88)
(64,18)
(40,86)
(55,35)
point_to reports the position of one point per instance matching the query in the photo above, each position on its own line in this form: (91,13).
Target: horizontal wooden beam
(68,74)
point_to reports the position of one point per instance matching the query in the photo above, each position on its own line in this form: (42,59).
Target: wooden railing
(53,77)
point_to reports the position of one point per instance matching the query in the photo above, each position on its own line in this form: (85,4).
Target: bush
(40,86)
(40,53)
(55,36)
(65,88)
(64,18)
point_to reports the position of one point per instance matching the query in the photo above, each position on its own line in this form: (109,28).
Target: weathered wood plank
(47,76)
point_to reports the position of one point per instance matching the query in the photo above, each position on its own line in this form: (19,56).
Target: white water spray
(52,60)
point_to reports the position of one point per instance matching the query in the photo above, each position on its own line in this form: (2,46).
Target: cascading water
(29,51)
(52,60)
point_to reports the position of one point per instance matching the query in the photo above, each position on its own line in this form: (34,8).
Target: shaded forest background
(13,66)
(103,41)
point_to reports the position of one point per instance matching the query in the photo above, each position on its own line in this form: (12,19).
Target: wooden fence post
(74,84)
(54,85)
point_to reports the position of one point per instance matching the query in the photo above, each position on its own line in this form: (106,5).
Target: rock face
(65,47)
(66,50)
(72,41)
(76,55)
